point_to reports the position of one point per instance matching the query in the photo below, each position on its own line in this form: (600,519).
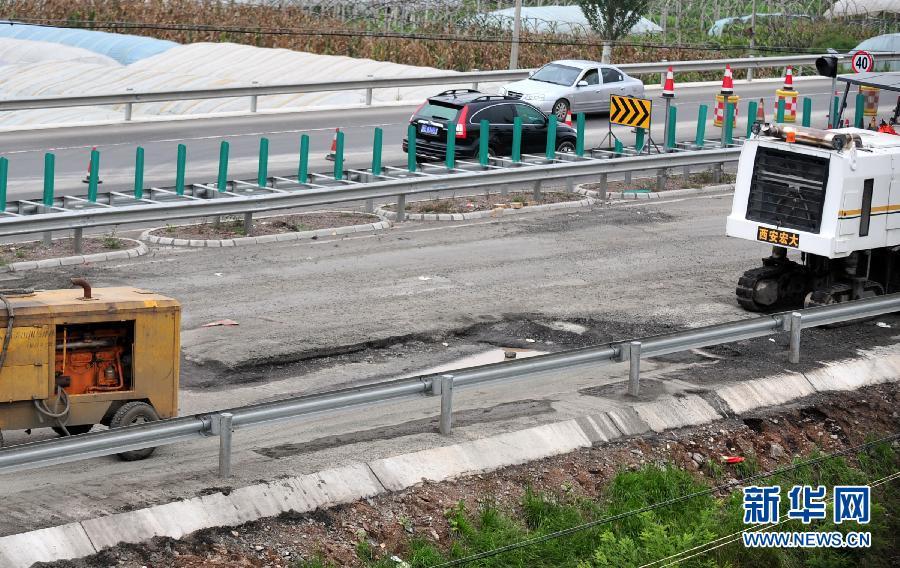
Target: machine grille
(788,189)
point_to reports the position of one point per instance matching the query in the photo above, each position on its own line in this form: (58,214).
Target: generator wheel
(130,413)
(73,430)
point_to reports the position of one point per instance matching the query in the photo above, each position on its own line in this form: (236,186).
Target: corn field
(441,33)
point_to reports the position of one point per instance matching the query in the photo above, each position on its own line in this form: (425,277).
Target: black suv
(468,108)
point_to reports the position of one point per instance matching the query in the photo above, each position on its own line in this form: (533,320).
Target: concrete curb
(24,266)
(392,215)
(635,195)
(363,480)
(283,237)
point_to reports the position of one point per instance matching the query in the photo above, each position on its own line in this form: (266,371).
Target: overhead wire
(657,505)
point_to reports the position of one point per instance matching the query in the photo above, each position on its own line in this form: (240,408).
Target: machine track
(748,282)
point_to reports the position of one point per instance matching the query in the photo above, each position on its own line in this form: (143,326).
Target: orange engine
(91,362)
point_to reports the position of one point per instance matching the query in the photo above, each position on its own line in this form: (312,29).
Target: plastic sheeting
(843,8)
(121,47)
(554,19)
(886,42)
(22,52)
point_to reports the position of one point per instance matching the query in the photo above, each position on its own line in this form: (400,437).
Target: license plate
(428,129)
(778,237)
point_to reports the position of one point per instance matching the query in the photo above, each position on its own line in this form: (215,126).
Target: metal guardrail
(368,85)
(75,448)
(246,197)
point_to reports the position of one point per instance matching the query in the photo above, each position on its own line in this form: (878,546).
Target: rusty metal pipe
(84,286)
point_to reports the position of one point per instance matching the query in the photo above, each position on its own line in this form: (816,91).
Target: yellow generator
(70,359)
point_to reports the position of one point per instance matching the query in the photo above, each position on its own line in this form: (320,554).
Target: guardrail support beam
(537,190)
(248,224)
(634,368)
(222,426)
(77,240)
(796,324)
(401,208)
(604,186)
(446,422)
(128,110)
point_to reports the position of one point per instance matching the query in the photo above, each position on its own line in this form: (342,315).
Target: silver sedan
(574,86)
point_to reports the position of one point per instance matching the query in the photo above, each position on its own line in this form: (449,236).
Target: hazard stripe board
(630,111)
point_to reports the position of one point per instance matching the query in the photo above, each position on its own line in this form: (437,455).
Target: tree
(612,19)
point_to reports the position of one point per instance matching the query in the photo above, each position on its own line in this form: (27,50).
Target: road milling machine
(70,359)
(827,202)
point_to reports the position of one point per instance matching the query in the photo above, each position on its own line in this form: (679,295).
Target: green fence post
(618,148)
(700,139)
(639,140)
(779,115)
(517,140)
(376,152)
(551,137)
(303,167)
(579,134)
(807,111)
(49,178)
(673,120)
(339,156)
(483,138)
(179,171)
(262,171)
(860,107)
(835,110)
(139,173)
(222,180)
(728,125)
(411,148)
(94,178)
(752,109)
(4,172)
(450,153)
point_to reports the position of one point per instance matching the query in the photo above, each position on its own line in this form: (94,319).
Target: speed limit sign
(862,61)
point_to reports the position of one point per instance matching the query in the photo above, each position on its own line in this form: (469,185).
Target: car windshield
(557,74)
(438,112)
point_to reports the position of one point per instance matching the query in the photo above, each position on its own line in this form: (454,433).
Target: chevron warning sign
(630,111)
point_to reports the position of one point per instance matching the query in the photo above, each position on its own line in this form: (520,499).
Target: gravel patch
(233,227)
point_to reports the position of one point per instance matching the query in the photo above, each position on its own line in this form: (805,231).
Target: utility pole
(517,25)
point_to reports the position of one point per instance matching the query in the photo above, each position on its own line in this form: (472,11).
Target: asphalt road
(117,143)
(398,302)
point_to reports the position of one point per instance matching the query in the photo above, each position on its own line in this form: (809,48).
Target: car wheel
(561,109)
(566,147)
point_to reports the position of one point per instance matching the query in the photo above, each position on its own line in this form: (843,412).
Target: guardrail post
(179,171)
(376,152)
(303,167)
(796,324)
(411,148)
(254,99)
(222,180)
(516,154)
(401,208)
(339,156)
(369,96)
(807,111)
(94,177)
(860,107)
(483,139)
(700,138)
(446,404)
(49,180)
(634,368)
(262,171)
(752,109)
(248,224)
(728,125)
(639,140)
(4,174)
(128,109)
(139,173)
(661,176)
(670,128)
(222,426)
(450,148)
(579,134)
(537,190)
(604,186)
(551,137)
(77,240)
(779,114)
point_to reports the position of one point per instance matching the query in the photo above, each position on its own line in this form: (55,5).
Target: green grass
(651,535)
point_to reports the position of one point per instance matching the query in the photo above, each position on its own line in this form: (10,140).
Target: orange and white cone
(331,154)
(669,86)
(568,120)
(761,111)
(87,177)
(727,81)
(788,79)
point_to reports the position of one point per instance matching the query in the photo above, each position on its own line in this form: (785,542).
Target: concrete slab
(878,366)
(676,412)
(45,545)
(627,421)
(599,428)
(770,391)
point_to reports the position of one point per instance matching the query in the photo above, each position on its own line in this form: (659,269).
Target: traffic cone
(87,177)
(727,81)
(788,79)
(331,154)
(669,86)
(761,111)
(568,120)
